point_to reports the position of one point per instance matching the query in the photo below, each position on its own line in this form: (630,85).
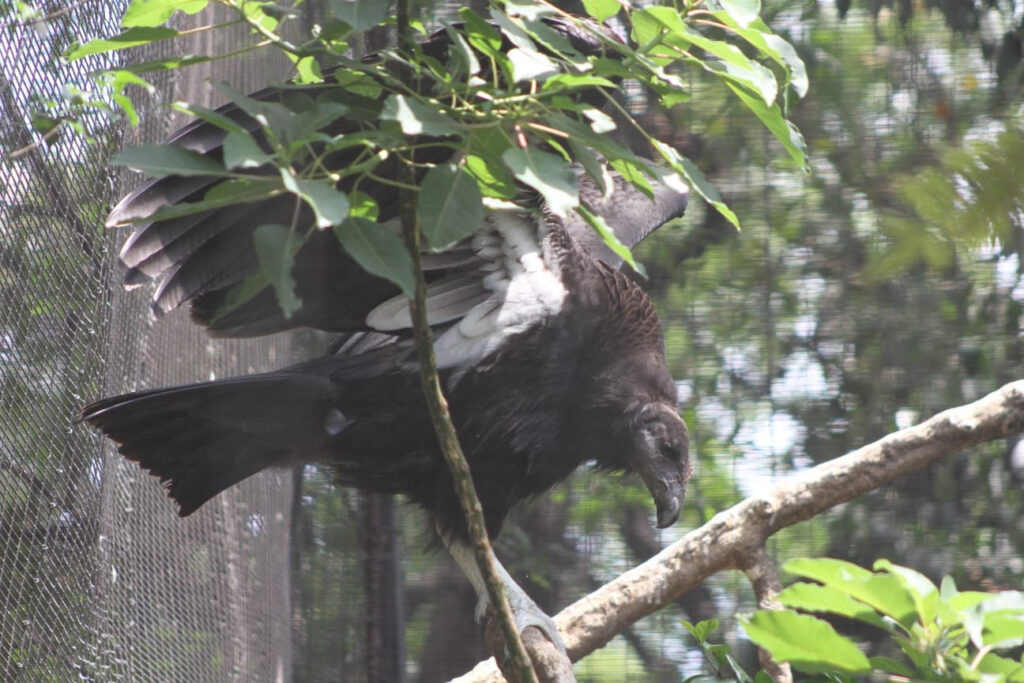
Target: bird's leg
(524,609)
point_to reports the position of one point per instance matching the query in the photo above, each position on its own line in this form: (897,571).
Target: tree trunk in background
(382,576)
(453,640)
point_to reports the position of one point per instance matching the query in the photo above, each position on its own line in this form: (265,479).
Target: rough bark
(764,577)
(733,538)
(550,665)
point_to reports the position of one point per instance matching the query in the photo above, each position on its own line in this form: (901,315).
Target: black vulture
(551,356)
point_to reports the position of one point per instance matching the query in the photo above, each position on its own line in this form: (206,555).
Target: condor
(550,356)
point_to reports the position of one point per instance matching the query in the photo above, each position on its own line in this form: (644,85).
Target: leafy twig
(438,407)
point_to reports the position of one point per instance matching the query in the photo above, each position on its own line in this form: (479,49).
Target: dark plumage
(549,354)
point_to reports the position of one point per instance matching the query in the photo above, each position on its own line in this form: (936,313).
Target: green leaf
(294,121)
(967,599)
(119,79)
(1000,666)
(695,178)
(159,161)
(362,205)
(210,116)
(156,12)
(608,235)
(378,251)
(360,14)
(815,598)
(788,57)
(43,124)
(744,12)
(527,9)
(888,595)
(238,294)
(772,118)
(701,630)
(991,620)
(600,122)
(530,65)
(591,163)
(663,25)
(572,81)
(358,83)
(669,38)
(738,673)
(492,176)
(602,9)
(633,173)
(133,37)
(449,206)
(751,75)
(892,666)
(545,38)
(273,115)
(827,570)
(484,163)
(581,133)
(329,204)
(462,54)
(314,117)
(224,193)
(1003,601)
(884,592)
(242,151)
(808,643)
(166,64)
(307,70)
(924,593)
(772,46)
(276,246)
(416,118)
(550,175)
(512,29)
(1003,630)
(481,35)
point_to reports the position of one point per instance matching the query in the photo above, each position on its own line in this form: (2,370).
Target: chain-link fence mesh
(99,579)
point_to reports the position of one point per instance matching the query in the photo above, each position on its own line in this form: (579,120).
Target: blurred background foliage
(879,290)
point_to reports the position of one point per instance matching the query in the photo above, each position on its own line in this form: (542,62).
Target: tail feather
(200,439)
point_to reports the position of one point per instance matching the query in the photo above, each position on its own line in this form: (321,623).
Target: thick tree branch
(731,537)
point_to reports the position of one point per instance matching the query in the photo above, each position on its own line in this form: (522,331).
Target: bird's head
(658,449)
(649,438)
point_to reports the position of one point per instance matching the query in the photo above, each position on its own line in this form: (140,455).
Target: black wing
(481,289)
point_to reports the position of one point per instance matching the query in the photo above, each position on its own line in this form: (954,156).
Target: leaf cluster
(943,633)
(508,103)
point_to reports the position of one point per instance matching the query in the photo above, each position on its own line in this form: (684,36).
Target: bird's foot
(538,619)
(526,613)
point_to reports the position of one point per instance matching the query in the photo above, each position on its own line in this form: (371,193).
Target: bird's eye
(670,451)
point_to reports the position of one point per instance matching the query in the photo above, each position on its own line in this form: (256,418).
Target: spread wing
(498,282)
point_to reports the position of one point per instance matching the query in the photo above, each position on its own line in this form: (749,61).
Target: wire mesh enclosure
(99,579)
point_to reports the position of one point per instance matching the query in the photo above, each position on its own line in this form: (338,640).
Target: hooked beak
(667,485)
(660,453)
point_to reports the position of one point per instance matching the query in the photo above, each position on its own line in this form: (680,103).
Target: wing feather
(481,291)
(446,300)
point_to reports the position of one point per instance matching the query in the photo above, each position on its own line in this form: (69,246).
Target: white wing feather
(515,285)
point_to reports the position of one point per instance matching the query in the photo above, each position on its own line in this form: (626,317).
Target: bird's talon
(543,623)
